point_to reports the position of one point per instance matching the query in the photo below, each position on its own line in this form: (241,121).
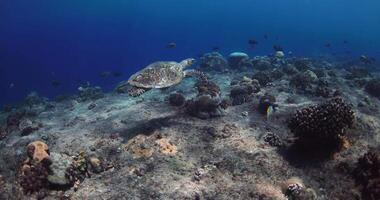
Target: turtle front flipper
(195,73)
(136,91)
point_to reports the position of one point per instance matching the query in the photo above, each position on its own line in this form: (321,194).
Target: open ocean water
(53,47)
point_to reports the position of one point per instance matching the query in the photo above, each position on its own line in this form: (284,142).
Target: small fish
(270,110)
(117,74)
(105,74)
(327,45)
(12,85)
(367,60)
(171,45)
(278,48)
(253,42)
(345,42)
(55,83)
(215,48)
(265,36)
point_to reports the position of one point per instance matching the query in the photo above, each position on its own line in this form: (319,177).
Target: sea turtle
(160,74)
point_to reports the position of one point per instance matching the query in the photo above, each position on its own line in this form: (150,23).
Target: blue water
(72,41)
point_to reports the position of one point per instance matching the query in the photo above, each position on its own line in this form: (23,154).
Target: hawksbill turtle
(162,74)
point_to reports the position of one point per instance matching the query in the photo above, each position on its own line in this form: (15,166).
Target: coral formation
(289,69)
(235,59)
(38,151)
(262,63)
(3,132)
(294,189)
(240,95)
(177,99)
(35,169)
(213,61)
(367,174)
(273,139)
(322,127)
(78,170)
(27,126)
(87,93)
(322,91)
(264,77)
(242,91)
(33,177)
(302,64)
(204,107)
(207,87)
(14,119)
(304,80)
(373,88)
(358,72)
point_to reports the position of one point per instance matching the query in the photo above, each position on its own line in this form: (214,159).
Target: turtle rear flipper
(195,73)
(135,91)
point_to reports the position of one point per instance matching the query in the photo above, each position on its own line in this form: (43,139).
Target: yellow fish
(269,111)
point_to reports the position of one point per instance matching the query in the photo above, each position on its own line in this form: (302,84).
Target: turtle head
(187,62)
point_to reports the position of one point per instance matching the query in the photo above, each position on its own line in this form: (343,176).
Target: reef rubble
(214,138)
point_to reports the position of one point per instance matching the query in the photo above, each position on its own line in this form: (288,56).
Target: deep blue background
(73,41)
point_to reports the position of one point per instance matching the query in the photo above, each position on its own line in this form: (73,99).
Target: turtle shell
(157,75)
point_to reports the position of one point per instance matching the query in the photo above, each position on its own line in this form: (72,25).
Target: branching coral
(322,126)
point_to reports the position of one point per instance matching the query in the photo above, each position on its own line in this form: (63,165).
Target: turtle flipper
(195,73)
(135,91)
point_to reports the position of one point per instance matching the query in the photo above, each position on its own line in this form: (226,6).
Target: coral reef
(204,107)
(33,178)
(35,169)
(262,63)
(367,174)
(87,93)
(213,61)
(78,170)
(177,99)
(207,87)
(121,147)
(358,72)
(27,126)
(304,80)
(289,69)
(264,77)
(242,92)
(373,88)
(322,127)
(235,59)
(294,189)
(302,64)
(273,139)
